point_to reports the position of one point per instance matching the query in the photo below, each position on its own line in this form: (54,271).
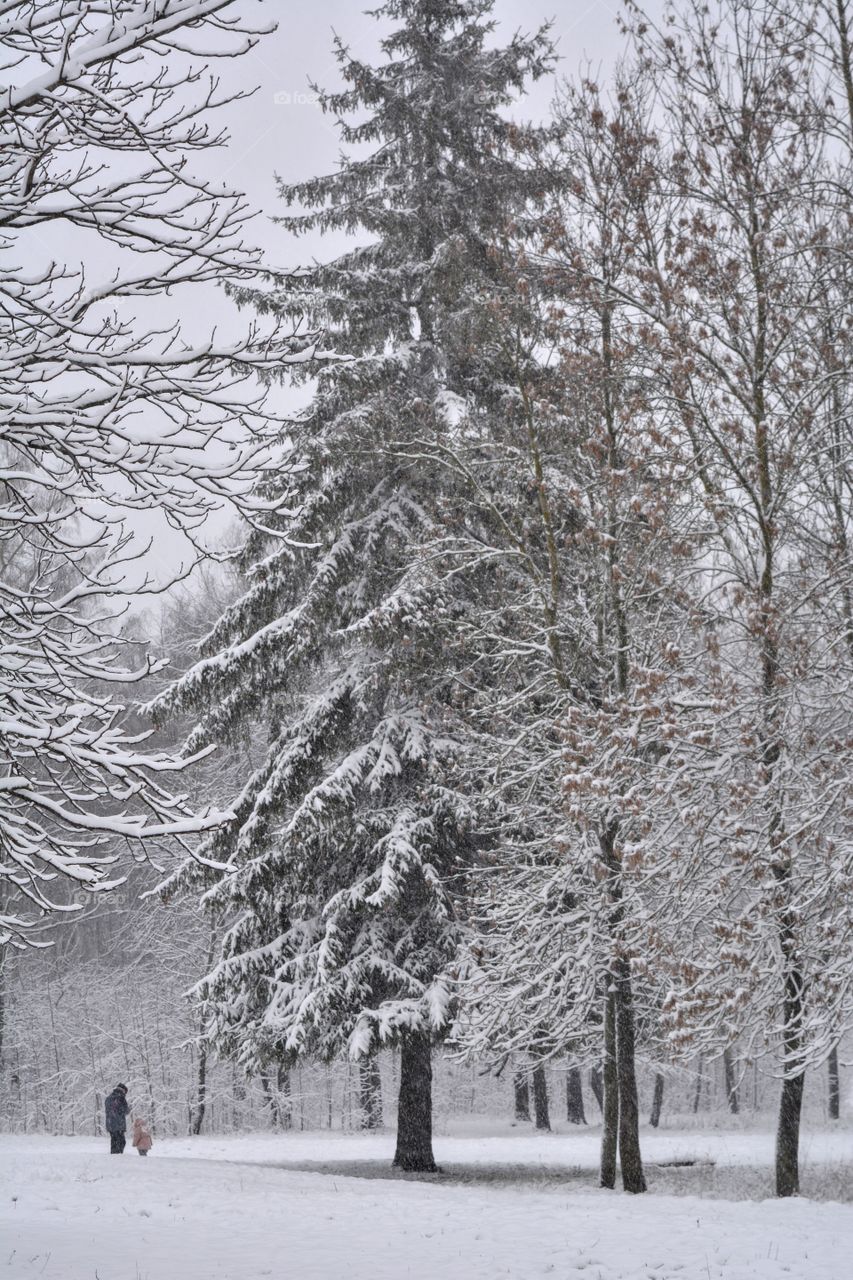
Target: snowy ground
(515,1205)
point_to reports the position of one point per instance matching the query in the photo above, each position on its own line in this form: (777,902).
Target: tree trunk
(278,1097)
(201,1092)
(834,1087)
(269,1098)
(595,1083)
(630,1158)
(414,1112)
(285,1099)
(540,1098)
(657,1101)
(370,1093)
(574,1097)
(610,1109)
(697,1093)
(2,997)
(788,1137)
(201,1078)
(791,1100)
(522,1096)
(731,1082)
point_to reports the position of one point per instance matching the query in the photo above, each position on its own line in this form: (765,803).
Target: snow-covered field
(517,1205)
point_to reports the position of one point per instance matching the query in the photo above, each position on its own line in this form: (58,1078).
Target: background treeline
(109,1003)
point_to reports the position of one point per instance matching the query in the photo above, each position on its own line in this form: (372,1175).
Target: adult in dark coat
(117,1110)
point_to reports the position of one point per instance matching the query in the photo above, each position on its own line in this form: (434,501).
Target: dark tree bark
(521,1090)
(285,1099)
(269,1099)
(610,1109)
(201,1079)
(278,1099)
(2,997)
(657,1101)
(540,1099)
(791,1100)
(597,1086)
(697,1093)
(731,1082)
(621,993)
(574,1097)
(414,1112)
(633,1178)
(201,1093)
(834,1086)
(370,1093)
(788,1137)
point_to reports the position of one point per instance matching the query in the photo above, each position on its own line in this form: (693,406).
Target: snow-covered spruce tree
(107,410)
(761,780)
(342,874)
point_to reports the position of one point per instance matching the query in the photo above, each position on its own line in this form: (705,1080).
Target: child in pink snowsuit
(142,1139)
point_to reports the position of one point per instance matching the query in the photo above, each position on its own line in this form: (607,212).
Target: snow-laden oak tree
(108,410)
(590,644)
(748,305)
(343,874)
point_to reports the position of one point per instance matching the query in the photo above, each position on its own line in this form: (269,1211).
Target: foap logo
(484,97)
(296,98)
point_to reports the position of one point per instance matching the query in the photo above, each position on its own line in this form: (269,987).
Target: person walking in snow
(142,1139)
(116,1108)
